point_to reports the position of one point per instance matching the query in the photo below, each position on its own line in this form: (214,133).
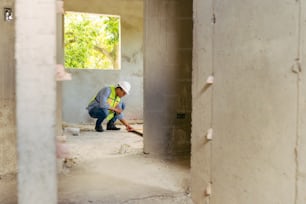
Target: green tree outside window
(91,41)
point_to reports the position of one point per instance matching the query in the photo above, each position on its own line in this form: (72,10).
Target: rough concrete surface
(8,152)
(110,167)
(35,51)
(254,104)
(8,189)
(167,76)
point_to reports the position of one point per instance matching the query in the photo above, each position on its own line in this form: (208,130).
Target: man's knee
(98,112)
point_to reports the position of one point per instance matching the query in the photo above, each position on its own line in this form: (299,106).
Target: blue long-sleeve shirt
(101,101)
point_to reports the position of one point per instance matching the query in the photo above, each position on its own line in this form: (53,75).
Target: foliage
(91,41)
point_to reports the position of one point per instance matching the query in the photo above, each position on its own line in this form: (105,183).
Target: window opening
(91,41)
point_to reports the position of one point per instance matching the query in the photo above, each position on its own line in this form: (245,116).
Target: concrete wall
(256,106)
(85,83)
(300,149)
(59,60)
(167,77)
(7,93)
(36,101)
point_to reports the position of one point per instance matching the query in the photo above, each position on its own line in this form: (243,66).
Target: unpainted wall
(8,146)
(300,149)
(167,77)
(256,106)
(85,83)
(35,54)
(59,60)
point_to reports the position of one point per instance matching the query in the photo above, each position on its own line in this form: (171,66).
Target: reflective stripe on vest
(113,101)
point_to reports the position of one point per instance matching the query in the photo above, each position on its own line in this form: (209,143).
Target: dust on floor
(110,167)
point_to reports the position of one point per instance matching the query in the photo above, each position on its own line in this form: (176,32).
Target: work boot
(99,128)
(111,126)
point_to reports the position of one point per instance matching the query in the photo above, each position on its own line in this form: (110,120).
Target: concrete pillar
(300,156)
(8,154)
(167,77)
(36,101)
(59,60)
(202,94)
(256,105)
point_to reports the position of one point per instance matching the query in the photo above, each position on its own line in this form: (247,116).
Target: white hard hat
(126,86)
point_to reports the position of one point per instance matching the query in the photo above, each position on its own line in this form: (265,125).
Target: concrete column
(300,159)
(167,77)
(8,154)
(59,60)
(36,101)
(202,94)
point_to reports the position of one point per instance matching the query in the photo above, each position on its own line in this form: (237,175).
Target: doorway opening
(110,167)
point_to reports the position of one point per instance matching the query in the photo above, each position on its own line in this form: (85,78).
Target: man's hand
(117,110)
(129,128)
(127,125)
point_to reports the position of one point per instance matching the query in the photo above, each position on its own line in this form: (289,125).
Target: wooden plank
(137,132)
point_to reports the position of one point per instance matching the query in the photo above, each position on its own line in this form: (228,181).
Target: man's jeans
(101,114)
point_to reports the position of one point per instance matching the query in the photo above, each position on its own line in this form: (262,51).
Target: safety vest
(113,100)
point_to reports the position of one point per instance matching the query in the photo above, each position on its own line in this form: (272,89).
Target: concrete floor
(111,168)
